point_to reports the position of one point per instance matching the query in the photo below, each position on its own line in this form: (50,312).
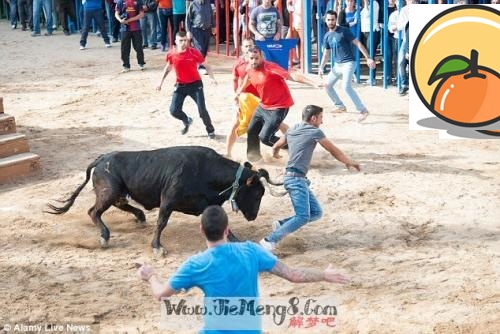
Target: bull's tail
(71,200)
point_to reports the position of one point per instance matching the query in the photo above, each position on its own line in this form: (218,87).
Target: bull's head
(250,193)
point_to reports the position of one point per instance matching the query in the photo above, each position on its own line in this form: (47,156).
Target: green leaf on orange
(451,65)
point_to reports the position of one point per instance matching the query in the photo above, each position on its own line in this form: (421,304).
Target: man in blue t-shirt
(301,140)
(227,269)
(339,41)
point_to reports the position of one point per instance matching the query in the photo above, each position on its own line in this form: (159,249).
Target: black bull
(185,179)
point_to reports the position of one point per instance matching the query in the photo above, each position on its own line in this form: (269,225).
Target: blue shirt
(229,270)
(340,42)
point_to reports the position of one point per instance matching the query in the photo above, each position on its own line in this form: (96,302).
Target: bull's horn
(271,191)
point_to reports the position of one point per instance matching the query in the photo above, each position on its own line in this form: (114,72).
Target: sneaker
(66,32)
(163,48)
(107,45)
(253,157)
(115,40)
(403,91)
(276,225)
(142,67)
(35,34)
(145,46)
(98,34)
(267,245)
(186,126)
(14,27)
(154,47)
(48,34)
(125,69)
(202,71)
(363,116)
(211,135)
(82,47)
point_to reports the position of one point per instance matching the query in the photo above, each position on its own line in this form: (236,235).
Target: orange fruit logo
(455,66)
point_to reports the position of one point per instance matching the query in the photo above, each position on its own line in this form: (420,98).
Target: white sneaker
(276,225)
(267,245)
(142,67)
(107,45)
(82,47)
(125,69)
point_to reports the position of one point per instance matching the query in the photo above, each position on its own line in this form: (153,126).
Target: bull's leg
(105,197)
(163,217)
(231,237)
(122,204)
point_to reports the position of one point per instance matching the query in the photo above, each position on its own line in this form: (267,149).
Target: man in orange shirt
(269,81)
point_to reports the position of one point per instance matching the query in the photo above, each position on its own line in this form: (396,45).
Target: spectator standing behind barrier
(25,8)
(13,13)
(403,25)
(229,269)
(47,8)
(265,22)
(149,24)
(129,13)
(179,9)
(339,40)
(199,26)
(166,18)
(65,9)
(301,140)
(366,13)
(185,60)
(392,42)
(92,9)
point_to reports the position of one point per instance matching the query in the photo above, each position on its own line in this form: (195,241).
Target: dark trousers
(201,39)
(64,10)
(134,38)
(263,127)
(195,91)
(178,20)
(24,8)
(95,14)
(115,25)
(166,18)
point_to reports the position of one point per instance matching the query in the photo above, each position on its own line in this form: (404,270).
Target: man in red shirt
(269,81)
(185,60)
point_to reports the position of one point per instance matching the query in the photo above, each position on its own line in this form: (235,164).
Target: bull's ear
(248,165)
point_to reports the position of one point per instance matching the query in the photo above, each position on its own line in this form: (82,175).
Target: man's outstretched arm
(304,275)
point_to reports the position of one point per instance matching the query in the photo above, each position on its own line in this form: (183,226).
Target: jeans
(13,13)
(402,64)
(134,38)
(346,70)
(165,16)
(24,8)
(201,39)
(47,7)
(95,14)
(305,205)
(178,20)
(263,127)
(392,53)
(195,91)
(149,23)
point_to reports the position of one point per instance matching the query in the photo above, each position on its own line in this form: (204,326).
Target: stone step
(19,165)
(7,124)
(13,143)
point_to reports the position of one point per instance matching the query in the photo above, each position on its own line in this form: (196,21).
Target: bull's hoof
(103,242)
(141,221)
(159,252)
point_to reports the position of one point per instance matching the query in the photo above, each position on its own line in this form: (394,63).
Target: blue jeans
(95,14)
(305,205)
(148,24)
(47,7)
(346,70)
(13,13)
(166,16)
(402,63)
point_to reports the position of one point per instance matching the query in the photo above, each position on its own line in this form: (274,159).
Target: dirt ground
(417,229)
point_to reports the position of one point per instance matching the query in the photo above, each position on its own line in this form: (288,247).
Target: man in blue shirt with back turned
(228,269)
